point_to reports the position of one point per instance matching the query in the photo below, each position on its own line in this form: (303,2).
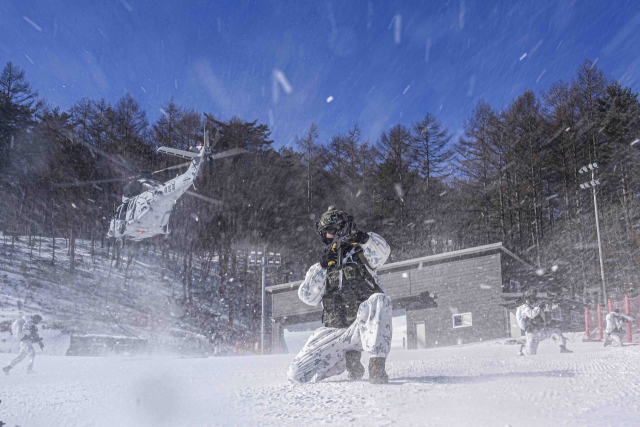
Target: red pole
(610,309)
(236,347)
(626,310)
(599,323)
(586,323)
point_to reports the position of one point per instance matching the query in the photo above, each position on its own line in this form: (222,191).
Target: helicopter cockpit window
(146,186)
(132,189)
(122,211)
(132,209)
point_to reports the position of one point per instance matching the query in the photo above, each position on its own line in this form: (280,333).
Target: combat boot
(6,370)
(564,349)
(355,369)
(377,373)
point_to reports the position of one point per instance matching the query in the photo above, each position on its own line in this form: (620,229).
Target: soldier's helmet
(332,222)
(36,318)
(530,295)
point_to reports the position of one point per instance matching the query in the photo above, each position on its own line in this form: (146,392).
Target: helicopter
(147,203)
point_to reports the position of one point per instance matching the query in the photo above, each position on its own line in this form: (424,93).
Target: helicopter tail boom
(178,153)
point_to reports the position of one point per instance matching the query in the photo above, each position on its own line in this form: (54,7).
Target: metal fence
(595,318)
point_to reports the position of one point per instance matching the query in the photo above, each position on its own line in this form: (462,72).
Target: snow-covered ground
(473,385)
(484,384)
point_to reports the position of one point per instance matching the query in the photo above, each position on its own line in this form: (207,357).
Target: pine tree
(309,147)
(430,141)
(18,106)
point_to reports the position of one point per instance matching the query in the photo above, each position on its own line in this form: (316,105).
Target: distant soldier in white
(613,332)
(356,312)
(216,340)
(26,330)
(531,318)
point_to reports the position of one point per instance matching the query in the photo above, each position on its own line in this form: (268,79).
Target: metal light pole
(273,260)
(592,184)
(264,294)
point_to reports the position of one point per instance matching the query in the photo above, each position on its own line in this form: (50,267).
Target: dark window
(122,211)
(462,320)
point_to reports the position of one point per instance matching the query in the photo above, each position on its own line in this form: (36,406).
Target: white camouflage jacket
(614,322)
(376,250)
(524,312)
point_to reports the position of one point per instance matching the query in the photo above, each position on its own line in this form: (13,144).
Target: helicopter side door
(144,200)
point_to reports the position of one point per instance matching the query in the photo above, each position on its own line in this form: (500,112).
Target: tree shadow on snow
(461,379)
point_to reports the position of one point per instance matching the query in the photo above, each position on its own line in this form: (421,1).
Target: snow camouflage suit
(30,336)
(356,317)
(614,329)
(535,328)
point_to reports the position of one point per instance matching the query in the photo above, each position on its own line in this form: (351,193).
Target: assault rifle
(341,241)
(344,240)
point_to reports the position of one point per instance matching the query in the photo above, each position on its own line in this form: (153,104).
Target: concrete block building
(451,298)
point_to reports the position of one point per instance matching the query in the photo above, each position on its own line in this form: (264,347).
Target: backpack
(16,328)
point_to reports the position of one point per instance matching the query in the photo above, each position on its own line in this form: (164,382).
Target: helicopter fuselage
(147,214)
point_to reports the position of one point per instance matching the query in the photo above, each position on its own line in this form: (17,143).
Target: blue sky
(382,63)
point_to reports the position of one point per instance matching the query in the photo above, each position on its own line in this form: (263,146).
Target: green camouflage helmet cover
(332,218)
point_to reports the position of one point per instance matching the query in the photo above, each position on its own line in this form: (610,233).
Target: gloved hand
(41,345)
(359,237)
(329,257)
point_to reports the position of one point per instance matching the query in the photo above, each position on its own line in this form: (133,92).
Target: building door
(516,332)
(421,335)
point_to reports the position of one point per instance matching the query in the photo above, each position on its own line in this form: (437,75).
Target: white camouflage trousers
(323,355)
(615,337)
(26,349)
(534,338)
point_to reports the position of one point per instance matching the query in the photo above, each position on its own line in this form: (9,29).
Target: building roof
(428,259)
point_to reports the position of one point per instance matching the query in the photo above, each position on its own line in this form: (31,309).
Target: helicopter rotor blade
(84,183)
(205,198)
(107,156)
(216,138)
(181,165)
(93,149)
(228,153)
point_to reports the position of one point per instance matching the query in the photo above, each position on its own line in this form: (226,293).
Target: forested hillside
(512,177)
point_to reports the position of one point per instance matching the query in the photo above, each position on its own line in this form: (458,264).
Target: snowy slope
(473,385)
(95,299)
